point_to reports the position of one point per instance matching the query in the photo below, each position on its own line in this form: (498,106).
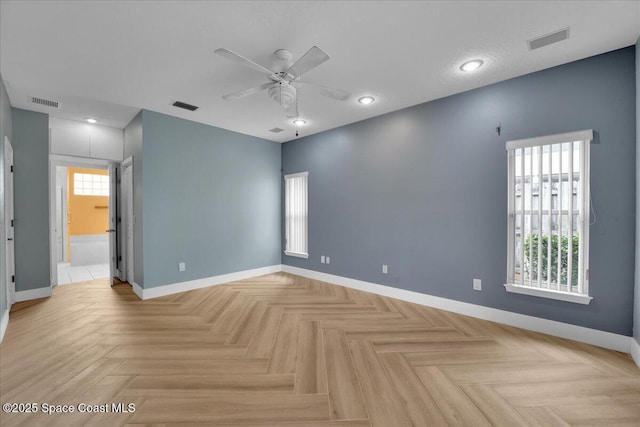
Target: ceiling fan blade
(246,92)
(242,60)
(314,57)
(330,92)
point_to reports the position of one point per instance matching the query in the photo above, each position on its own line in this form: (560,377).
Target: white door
(113,249)
(8,217)
(128,181)
(59,223)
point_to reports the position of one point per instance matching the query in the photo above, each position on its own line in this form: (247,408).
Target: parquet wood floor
(282,350)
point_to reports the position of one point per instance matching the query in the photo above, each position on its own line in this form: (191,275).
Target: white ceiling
(108,59)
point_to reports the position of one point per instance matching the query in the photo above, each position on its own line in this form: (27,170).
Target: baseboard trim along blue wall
(564,330)
(174,288)
(424,190)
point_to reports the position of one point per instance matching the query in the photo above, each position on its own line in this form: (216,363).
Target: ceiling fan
(283,84)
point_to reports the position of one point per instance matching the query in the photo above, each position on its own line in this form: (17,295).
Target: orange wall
(83,217)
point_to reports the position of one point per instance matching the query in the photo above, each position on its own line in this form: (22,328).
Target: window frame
(584,138)
(306,218)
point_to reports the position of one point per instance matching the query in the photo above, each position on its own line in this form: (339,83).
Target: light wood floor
(281,350)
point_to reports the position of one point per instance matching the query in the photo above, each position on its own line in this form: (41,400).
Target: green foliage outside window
(531,258)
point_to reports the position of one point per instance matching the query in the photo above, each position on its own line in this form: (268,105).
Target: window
(89,184)
(296,214)
(548,216)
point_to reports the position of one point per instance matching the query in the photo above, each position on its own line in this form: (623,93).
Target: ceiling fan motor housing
(283,94)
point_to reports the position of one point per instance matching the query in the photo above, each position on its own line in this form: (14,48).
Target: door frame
(126,196)
(56,160)
(9,204)
(61,198)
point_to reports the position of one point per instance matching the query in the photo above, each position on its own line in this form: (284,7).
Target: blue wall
(6,126)
(211,198)
(424,189)
(31,201)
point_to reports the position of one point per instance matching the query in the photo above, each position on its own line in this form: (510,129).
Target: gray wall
(424,189)
(31,187)
(636,309)
(211,198)
(133,147)
(6,125)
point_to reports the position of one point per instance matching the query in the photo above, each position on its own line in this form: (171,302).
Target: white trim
(635,351)
(33,294)
(295,175)
(137,289)
(563,330)
(174,288)
(296,254)
(580,135)
(548,293)
(4,322)
(582,294)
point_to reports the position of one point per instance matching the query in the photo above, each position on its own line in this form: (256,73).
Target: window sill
(548,293)
(296,254)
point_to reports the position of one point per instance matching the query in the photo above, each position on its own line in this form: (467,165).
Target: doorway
(82,221)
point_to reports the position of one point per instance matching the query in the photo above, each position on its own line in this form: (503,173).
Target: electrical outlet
(328,260)
(477,284)
(182,266)
(321,259)
(385,269)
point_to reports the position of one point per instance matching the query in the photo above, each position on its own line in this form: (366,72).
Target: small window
(296,214)
(548,216)
(89,184)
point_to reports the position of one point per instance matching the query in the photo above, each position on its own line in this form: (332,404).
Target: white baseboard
(635,351)
(564,330)
(137,289)
(174,288)
(4,322)
(33,294)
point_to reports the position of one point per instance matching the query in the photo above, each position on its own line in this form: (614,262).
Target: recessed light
(299,122)
(92,121)
(366,100)
(472,65)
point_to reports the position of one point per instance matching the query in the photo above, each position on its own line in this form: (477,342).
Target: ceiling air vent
(185,106)
(276,130)
(45,102)
(546,40)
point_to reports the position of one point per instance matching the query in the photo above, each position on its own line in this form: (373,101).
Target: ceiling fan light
(366,100)
(299,122)
(91,120)
(472,65)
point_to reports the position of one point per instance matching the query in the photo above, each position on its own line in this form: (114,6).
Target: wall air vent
(45,102)
(276,130)
(185,106)
(546,40)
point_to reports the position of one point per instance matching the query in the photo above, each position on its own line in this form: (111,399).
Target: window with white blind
(296,209)
(548,216)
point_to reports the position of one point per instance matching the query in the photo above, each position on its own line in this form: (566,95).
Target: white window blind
(548,216)
(296,214)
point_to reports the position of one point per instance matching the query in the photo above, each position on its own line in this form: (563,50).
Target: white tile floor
(68,274)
